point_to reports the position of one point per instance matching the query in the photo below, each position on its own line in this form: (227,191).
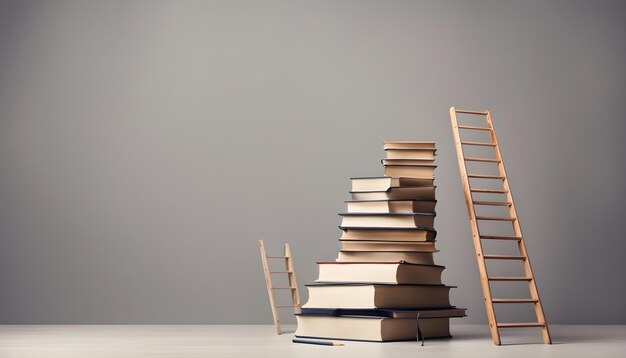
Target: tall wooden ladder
(292,283)
(478,237)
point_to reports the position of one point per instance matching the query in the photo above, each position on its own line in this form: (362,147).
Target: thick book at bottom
(371,328)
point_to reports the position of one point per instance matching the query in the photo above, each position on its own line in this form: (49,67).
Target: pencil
(321,343)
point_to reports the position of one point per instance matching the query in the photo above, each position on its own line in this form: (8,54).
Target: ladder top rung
(475,128)
(495,237)
(285,306)
(492,191)
(494,203)
(495,218)
(486,144)
(283,288)
(277,257)
(470,112)
(504,257)
(484,176)
(520,325)
(514,300)
(281,271)
(474,159)
(509,278)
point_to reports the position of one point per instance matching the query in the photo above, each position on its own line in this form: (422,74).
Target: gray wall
(146,145)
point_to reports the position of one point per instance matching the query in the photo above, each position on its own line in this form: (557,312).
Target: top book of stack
(410,159)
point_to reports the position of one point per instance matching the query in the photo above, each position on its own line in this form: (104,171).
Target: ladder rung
(504,257)
(277,257)
(509,278)
(475,128)
(285,306)
(492,191)
(484,144)
(514,300)
(520,325)
(483,176)
(494,203)
(495,237)
(470,112)
(495,218)
(281,271)
(283,288)
(473,159)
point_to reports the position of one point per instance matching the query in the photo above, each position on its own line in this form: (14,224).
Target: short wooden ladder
(292,287)
(512,217)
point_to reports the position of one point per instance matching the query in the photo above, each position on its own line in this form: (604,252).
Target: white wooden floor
(260,341)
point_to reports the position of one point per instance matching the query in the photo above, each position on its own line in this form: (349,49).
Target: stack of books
(384,284)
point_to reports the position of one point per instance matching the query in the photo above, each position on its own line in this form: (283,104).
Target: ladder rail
(482,267)
(528,271)
(295,293)
(268,284)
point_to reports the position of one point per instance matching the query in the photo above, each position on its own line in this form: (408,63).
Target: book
(380,272)
(388,161)
(397,192)
(384,183)
(387,246)
(411,257)
(370,328)
(388,234)
(415,154)
(368,295)
(408,145)
(445,312)
(409,170)
(392,206)
(408,220)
